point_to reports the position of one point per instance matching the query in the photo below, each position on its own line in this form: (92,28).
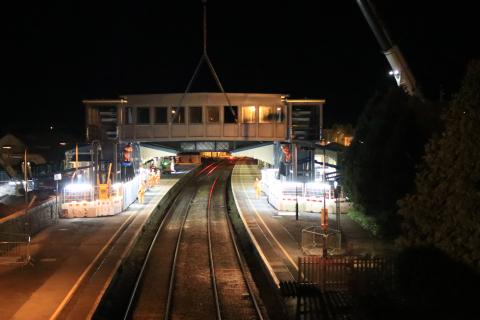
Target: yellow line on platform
(77,284)
(86,271)
(285,252)
(125,252)
(254,240)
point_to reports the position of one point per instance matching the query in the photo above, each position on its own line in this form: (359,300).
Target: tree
(339,133)
(380,164)
(444,211)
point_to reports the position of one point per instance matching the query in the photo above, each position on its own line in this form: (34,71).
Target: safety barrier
(355,274)
(314,238)
(14,248)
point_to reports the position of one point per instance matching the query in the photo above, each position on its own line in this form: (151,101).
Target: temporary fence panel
(14,248)
(130,190)
(356,274)
(314,238)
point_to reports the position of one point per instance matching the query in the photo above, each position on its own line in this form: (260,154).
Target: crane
(400,69)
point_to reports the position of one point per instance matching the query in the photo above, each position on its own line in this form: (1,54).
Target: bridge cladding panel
(260,117)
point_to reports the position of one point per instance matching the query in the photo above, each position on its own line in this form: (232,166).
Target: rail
(243,267)
(147,257)
(171,284)
(176,230)
(210,252)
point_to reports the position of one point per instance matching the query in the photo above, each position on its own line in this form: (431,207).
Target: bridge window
(178,115)
(279,114)
(213,114)
(4,176)
(128,115)
(143,115)
(161,115)
(248,114)
(196,115)
(265,114)
(228,115)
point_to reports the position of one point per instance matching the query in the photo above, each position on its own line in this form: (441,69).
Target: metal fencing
(355,274)
(14,248)
(314,239)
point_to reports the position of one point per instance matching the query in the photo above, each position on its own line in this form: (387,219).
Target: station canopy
(264,152)
(148,152)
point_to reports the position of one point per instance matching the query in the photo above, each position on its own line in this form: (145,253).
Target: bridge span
(247,124)
(203,116)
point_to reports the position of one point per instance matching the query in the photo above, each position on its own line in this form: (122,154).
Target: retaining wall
(33,220)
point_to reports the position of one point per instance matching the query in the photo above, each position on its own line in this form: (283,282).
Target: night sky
(62,52)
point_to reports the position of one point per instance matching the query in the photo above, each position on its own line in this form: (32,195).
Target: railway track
(193,269)
(83,297)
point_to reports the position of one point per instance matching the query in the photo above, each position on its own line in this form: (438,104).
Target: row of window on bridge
(198,114)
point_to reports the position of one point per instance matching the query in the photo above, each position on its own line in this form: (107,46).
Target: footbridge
(249,124)
(202,117)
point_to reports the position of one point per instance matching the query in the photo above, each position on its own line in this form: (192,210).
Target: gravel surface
(193,296)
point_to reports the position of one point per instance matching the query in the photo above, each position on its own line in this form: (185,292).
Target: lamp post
(337,190)
(324,215)
(324,221)
(296,201)
(25,174)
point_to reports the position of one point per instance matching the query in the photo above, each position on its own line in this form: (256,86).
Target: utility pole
(324,215)
(337,191)
(25,175)
(296,202)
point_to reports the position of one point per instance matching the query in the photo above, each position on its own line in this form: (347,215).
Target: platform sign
(57,176)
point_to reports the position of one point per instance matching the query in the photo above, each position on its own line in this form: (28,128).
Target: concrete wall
(32,221)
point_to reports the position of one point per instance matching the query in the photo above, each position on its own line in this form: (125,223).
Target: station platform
(75,254)
(277,235)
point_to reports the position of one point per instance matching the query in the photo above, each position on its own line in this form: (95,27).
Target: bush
(432,285)
(366,222)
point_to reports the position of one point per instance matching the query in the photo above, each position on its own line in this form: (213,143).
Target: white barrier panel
(91,209)
(130,190)
(80,204)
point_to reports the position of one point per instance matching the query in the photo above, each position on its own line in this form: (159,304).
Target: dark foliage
(428,285)
(444,211)
(434,286)
(380,165)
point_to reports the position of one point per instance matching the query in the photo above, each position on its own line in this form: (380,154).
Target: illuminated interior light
(78,187)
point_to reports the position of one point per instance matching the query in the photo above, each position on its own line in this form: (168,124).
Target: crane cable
(205,58)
